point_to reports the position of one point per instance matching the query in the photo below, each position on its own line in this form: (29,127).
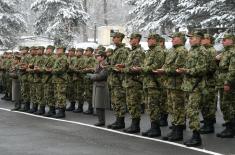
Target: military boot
(177,134)
(17,106)
(135,126)
(60,113)
(154,131)
(79,109)
(33,109)
(227,132)
(26,107)
(195,140)
(118,124)
(101,116)
(4,97)
(173,128)
(208,127)
(71,107)
(89,110)
(41,110)
(51,112)
(163,120)
(142,108)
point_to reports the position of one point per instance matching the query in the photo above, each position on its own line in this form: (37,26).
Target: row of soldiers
(177,82)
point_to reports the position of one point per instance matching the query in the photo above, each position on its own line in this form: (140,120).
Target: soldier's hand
(218,57)
(136,69)
(227,88)
(120,66)
(181,70)
(159,71)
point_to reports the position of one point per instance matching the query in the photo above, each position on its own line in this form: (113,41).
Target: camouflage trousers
(118,100)
(88,88)
(48,94)
(163,105)
(36,93)
(80,89)
(209,104)
(228,105)
(60,94)
(193,108)
(153,102)
(8,85)
(176,106)
(71,91)
(25,91)
(32,93)
(133,100)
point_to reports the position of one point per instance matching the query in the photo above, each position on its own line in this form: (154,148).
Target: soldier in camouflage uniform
(118,94)
(193,84)
(209,102)
(133,82)
(88,67)
(79,79)
(154,59)
(71,87)
(59,80)
(226,81)
(48,86)
(175,59)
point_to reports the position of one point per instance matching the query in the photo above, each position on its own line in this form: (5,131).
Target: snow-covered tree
(59,19)
(12,24)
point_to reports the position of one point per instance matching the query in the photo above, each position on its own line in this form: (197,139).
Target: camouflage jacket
(72,61)
(23,74)
(39,62)
(48,63)
(59,69)
(175,59)
(32,60)
(196,64)
(154,59)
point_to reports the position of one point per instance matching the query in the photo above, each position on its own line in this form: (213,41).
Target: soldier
(193,84)
(209,102)
(71,87)
(118,94)
(79,80)
(59,80)
(23,76)
(88,67)
(175,59)
(48,86)
(133,82)
(226,82)
(154,59)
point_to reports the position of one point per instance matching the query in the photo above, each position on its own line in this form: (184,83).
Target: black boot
(227,132)
(51,112)
(101,116)
(8,98)
(41,110)
(118,124)
(173,128)
(208,127)
(4,97)
(142,108)
(79,109)
(33,109)
(71,107)
(60,113)
(26,107)
(163,120)
(195,140)
(177,133)
(17,106)
(135,126)
(89,110)
(154,131)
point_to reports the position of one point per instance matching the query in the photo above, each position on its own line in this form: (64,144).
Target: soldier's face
(49,51)
(23,51)
(134,41)
(206,41)
(59,51)
(152,42)
(117,40)
(194,41)
(177,41)
(78,53)
(227,42)
(39,52)
(71,53)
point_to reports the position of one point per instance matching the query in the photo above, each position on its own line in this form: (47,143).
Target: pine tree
(59,19)
(12,24)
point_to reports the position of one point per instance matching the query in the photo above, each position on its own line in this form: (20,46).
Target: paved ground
(24,134)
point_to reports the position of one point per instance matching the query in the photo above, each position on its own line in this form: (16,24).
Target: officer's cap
(72,49)
(41,47)
(178,34)
(208,36)
(109,50)
(100,53)
(80,50)
(61,47)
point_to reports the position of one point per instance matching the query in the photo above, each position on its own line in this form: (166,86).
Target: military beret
(196,34)
(135,35)
(100,52)
(80,50)
(72,49)
(118,34)
(90,49)
(101,47)
(50,47)
(229,36)
(154,36)
(23,48)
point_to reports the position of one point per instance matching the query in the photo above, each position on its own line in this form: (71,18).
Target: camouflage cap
(135,35)
(89,49)
(109,50)
(154,36)
(33,48)
(118,34)
(61,47)
(178,34)
(100,52)
(196,34)
(23,48)
(229,36)
(208,36)
(80,50)
(41,47)
(50,47)
(101,47)
(72,49)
